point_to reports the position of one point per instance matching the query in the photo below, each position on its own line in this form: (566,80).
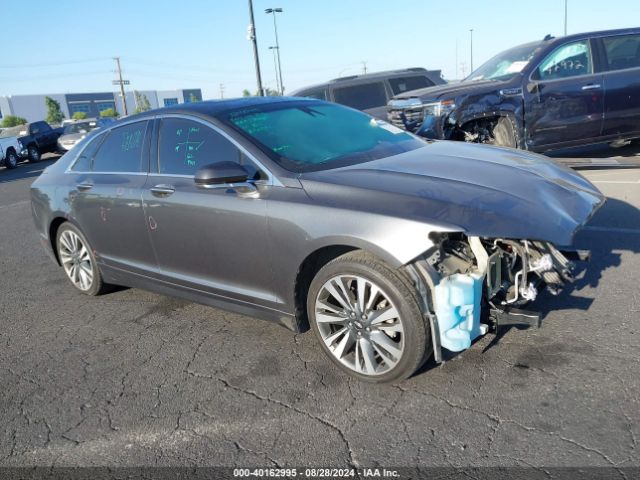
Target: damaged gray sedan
(389,247)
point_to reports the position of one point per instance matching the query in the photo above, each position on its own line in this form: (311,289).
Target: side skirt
(117,276)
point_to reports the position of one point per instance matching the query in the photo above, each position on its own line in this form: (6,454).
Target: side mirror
(220,173)
(532,87)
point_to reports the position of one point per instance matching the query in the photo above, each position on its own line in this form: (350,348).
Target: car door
(621,84)
(208,239)
(564,99)
(107,198)
(370,97)
(47,137)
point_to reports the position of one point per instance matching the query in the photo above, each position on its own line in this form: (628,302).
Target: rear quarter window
(622,51)
(406,84)
(362,96)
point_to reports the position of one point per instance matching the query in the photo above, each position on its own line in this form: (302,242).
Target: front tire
(11,161)
(504,133)
(367,318)
(33,154)
(77,260)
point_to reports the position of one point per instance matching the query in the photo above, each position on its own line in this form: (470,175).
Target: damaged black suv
(544,95)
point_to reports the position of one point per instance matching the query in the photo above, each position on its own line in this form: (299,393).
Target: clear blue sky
(67,45)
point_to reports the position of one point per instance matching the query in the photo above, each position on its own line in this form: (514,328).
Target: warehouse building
(33,107)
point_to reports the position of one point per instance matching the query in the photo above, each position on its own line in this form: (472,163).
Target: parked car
(38,138)
(544,95)
(372,91)
(9,148)
(72,133)
(298,210)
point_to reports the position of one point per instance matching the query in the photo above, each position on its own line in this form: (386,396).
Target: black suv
(371,92)
(554,93)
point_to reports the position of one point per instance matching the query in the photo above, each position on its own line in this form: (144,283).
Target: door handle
(591,86)
(162,190)
(83,187)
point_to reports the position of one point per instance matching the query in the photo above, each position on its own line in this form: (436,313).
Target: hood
(480,190)
(451,90)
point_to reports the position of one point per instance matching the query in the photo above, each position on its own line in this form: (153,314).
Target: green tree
(13,121)
(267,91)
(79,115)
(109,112)
(54,113)
(142,102)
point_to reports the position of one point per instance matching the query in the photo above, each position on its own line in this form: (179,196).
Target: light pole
(251,35)
(273,12)
(471,31)
(275,66)
(565,18)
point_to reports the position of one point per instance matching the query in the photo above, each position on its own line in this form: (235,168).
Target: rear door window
(122,150)
(362,96)
(570,60)
(186,145)
(406,84)
(622,51)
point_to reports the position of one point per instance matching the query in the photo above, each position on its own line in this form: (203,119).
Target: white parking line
(632,231)
(23,202)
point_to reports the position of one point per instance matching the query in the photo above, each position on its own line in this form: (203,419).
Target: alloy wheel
(76,260)
(359,324)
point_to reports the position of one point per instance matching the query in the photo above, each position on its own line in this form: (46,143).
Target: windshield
(309,136)
(80,127)
(506,64)
(13,131)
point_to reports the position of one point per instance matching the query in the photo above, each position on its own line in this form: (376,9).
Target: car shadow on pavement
(26,169)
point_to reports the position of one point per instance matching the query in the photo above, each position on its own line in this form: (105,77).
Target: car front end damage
(474,285)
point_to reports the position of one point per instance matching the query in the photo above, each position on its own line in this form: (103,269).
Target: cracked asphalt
(133,378)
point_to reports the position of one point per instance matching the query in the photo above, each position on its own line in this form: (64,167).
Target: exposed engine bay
(478,284)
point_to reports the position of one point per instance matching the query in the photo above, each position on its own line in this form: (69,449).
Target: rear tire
(504,134)
(78,261)
(33,154)
(11,160)
(378,334)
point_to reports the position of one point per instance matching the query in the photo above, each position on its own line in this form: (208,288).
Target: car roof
(369,76)
(214,108)
(601,33)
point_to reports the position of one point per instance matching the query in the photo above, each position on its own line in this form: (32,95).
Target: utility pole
(471,31)
(222,90)
(251,34)
(122,83)
(456,69)
(364,67)
(565,17)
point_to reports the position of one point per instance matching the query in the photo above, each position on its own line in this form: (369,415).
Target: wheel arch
(54,226)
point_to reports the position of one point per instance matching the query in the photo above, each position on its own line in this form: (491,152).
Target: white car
(9,148)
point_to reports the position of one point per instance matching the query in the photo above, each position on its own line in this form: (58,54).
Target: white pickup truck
(10,148)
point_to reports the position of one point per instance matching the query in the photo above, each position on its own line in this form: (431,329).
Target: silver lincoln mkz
(390,247)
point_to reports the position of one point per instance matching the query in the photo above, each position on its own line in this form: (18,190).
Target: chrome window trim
(271,178)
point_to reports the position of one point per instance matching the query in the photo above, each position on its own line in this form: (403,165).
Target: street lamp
(273,11)
(275,66)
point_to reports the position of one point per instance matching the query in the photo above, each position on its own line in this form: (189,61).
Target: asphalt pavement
(133,378)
